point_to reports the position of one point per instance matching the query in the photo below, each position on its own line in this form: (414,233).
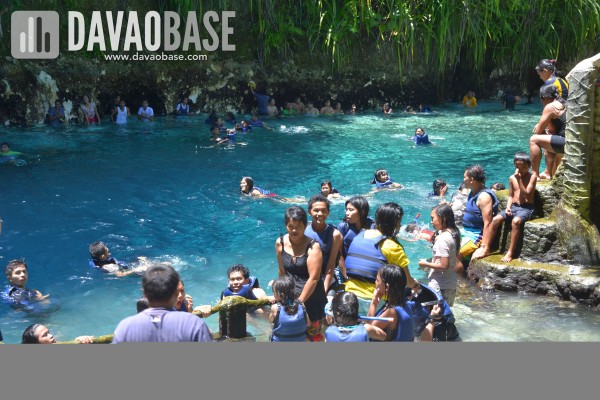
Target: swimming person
(248,189)
(382,180)
(17,293)
(40,334)
(329,191)
(101,259)
(420,137)
(439,188)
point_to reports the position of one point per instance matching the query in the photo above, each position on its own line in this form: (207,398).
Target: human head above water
(381,175)
(98,250)
(388,217)
(16,273)
(249,184)
(438,185)
(326,188)
(419,131)
(4,146)
(37,334)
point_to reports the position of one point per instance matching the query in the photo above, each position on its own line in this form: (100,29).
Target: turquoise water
(162,191)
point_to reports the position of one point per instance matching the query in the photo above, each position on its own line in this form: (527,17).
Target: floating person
(248,189)
(329,191)
(391,286)
(212,118)
(386,108)
(288,317)
(121,113)
(216,135)
(300,257)
(442,277)
(90,111)
(420,137)
(256,122)
(410,110)
(183,107)
(424,109)
(469,100)
(40,334)
(56,114)
(498,186)
(17,293)
(145,112)
(382,180)
(244,127)
(7,156)
(439,188)
(102,260)
(346,325)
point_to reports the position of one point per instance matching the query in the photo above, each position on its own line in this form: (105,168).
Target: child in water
(101,259)
(346,325)
(420,137)
(288,316)
(382,180)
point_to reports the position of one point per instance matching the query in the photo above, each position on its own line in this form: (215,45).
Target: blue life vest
(246,292)
(5,159)
(15,295)
(289,328)
(349,232)
(472,217)
(184,110)
(405,331)
(325,240)
(385,184)
(364,257)
(100,263)
(358,334)
(231,137)
(257,123)
(423,139)
(261,190)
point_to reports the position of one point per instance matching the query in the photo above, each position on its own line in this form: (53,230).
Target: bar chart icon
(34,34)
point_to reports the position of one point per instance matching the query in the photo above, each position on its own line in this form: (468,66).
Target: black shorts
(558,144)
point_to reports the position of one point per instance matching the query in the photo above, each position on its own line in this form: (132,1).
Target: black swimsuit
(297,268)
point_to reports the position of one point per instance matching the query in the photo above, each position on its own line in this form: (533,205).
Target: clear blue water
(162,191)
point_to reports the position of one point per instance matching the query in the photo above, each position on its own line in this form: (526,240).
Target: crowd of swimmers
(324,270)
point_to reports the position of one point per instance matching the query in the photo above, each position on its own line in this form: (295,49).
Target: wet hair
(97,249)
(421,128)
(546,64)
(345,309)
(362,205)
(446,215)
(160,282)
(461,186)
(318,198)
(438,184)
(284,287)
(239,268)
(142,304)
(476,172)
(295,213)
(249,181)
(522,156)
(328,183)
(498,186)
(378,174)
(551,92)
(410,228)
(388,217)
(394,278)
(4,144)
(29,335)
(12,264)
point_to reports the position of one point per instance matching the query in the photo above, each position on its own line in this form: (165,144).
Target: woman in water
(329,191)
(549,132)
(90,113)
(248,189)
(300,257)
(382,180)
(420,136)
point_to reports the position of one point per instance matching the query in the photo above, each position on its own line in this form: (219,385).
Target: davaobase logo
(35,34)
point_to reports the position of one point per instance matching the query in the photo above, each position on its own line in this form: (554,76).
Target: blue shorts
(524,212)
(558,144)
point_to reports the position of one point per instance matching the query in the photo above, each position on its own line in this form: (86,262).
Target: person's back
(162,325)
(161,322)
